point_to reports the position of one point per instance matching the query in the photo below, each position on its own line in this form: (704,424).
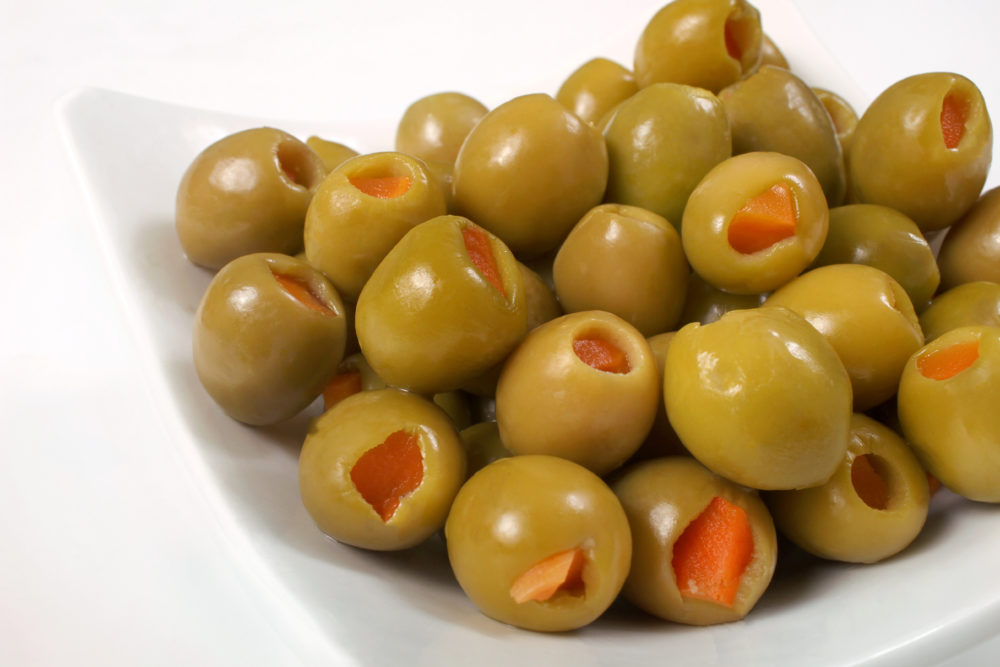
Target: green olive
(332,153)
(774,110)
(246,193)
(705,303)
(704,43)
(662,439)
(528,171)
(759,397)
(518,512)
(661,498)
(429,319)
(595,87)
(434,127)
(362,209)
(923,147)
(867,317)
(661,142)
(843,115)
(947,408)
(886,239)
(482,445)
(971,250)
(969,304)
(553,399)
(380,470)
(731,188)
(268,335)
(873,507)
(627,261)
(770,54)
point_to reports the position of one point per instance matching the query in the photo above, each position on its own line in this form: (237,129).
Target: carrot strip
(387,472)
(562,571)
(477,244)
(954,113)
(764,220)
(340,387)
(383,187)
(712,553)
(302,293)
(869,483)
(949,361)
(602,355)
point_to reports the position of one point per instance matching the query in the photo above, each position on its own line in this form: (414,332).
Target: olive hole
(303,292)
(601,354)
(739,35)
(954,114)
(870,479)
(297,164)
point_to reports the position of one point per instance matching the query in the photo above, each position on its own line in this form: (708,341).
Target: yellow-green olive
(482,445)
(246,193)
(332,153)
(968,304)
(971,250)
(705,303)
(873,507)
(770,54)
(434,127)
(595,87)
(662,439)
(843,115)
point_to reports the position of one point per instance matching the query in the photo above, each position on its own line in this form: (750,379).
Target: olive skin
(528,171)
(770,54)
(952,424)
(627,261)
(886,239)
(970,251)
(348,231)
(661,497)
(428,320)
(246,193)
(434,127)
(722,193)
(482,445)
(332,153)
(843,115)
(260,353)
(661,142)
(705,304)
(774,110)
(969,304)
(867,317)
(549,401)
(343,434)
(899,157)
(595,87)
(759,397)
(516,512)
(833,521)
(662,439)
(704,43)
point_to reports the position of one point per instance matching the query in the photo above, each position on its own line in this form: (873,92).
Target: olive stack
(616,341)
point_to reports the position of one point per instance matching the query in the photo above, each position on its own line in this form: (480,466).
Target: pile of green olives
(614,342)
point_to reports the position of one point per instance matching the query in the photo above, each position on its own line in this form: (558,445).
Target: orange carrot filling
(340,387)
(477,244)
(712,553)
(954,113)
(949,361)
(869,482)
(302,293)
(602,355)
(387,472)
(562,571)
(383,187)
(764,220)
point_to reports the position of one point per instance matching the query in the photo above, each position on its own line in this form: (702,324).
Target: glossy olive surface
(345,433)
(661,498)
(428,320)
(246,193)
(549,401)
(774,110)
(834,521)
(518,511)
(434,127)
(627,261)
(759,397)
(899,157)
(595,87)
(969,304)
(705,304)
(260,353)
(332,153)
(867,317)
(724,191)
(953,424)
(704,43)
(661,142)
(886,239)
(528,171)
(843,115)
(348,231)
(971,250)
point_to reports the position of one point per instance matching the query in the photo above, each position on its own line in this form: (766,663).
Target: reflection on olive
(971,250)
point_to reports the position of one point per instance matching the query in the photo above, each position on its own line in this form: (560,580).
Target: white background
(108,555)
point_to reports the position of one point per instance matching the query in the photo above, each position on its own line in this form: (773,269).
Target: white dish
(338,604)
